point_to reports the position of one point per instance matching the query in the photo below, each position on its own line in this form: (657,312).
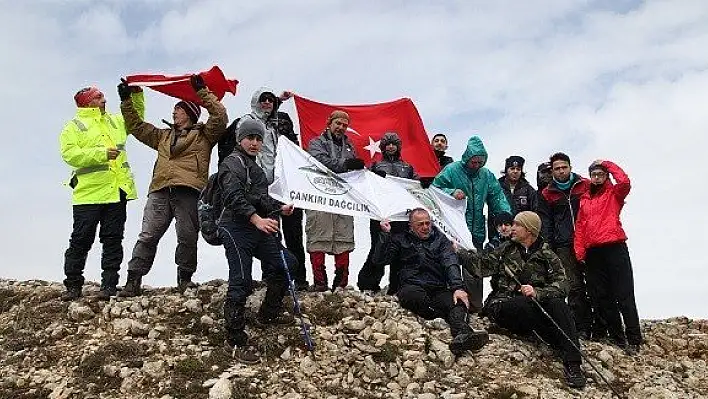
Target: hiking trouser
(341,267)
(521,316)
(578,295)
(371,274)
(609,271)
(292,232)
(180,204)
(431,303)
(86,219)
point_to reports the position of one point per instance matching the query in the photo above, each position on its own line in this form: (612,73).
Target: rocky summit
(170,345)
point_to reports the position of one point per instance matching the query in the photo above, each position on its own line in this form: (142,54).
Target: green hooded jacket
(479,186)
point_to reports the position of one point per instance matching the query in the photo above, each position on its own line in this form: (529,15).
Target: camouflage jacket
(537,266)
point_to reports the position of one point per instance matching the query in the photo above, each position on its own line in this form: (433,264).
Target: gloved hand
(380,173)
(197,82)
(124,91)
(354,164)
(426,182)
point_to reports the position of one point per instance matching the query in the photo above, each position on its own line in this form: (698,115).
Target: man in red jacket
(600,242)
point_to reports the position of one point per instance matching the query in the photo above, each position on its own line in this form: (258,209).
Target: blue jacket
(479,186)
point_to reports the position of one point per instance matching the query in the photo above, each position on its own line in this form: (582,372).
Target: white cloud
(530,77)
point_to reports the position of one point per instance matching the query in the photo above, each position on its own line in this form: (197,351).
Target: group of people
(563,241)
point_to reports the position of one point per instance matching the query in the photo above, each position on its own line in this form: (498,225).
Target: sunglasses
(267,99)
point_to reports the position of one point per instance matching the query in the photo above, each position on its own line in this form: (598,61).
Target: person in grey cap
(249,223)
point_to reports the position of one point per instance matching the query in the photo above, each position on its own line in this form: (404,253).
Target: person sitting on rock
(430,278)
(530,261)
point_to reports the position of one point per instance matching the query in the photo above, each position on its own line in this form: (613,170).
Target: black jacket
(394,166)
(524,198)
(558,211)
(429,263)
(244,188)
(443,159)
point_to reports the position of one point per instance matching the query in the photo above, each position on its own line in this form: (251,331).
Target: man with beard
(391,165)
(469,179)
(600,242)
(329,233)
(558,208)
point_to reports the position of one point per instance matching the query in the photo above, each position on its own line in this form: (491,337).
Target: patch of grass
(269,345)
(328,311)
(388,353)
(242,389)
(190,367)
(506,393)
(91,368)
(185,388)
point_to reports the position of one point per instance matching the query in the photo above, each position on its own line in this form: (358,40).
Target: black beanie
(516,161)
(503,218)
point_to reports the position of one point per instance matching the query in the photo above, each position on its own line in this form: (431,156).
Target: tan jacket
(182,156)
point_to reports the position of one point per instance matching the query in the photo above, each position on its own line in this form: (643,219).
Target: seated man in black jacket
(248,224)
(391,165)
(430,277)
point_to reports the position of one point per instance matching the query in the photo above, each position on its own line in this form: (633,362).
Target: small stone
(153,334)
(122,326)
(193,305)
(79,312)
(427,395)
(412,387)
(221,390)
(206,320)
(354,325)
(429,386)
(139,329)
(154,369)
(135,307)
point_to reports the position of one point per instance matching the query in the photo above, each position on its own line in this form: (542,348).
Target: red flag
(368,124)
(179,86)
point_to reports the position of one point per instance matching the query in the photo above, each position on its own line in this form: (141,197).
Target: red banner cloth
(179,86)
(368,123)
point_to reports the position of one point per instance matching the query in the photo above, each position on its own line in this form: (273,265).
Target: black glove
(354,164)
(124,91)
(197,82)
(426,182)
(380,173)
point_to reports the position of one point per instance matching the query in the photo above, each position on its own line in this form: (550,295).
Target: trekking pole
(309,343)
(513,276)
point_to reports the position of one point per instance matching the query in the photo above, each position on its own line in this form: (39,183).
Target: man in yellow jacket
(93,144)
(180,173)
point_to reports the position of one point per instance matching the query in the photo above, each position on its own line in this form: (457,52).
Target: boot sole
(475,342)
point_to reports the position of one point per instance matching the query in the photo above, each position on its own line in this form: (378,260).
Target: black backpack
(210,207)
(227,143)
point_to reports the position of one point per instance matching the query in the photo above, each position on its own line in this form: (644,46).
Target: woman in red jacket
(600,242)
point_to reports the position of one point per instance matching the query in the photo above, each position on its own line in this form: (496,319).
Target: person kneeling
(248,228)
(528,259)
(430,278)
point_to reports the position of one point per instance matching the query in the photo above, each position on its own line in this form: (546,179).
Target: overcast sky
(619,80)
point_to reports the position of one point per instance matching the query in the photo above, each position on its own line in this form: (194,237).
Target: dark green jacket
(538,266)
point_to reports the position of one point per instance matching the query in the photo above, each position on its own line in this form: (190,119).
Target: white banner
(302,180)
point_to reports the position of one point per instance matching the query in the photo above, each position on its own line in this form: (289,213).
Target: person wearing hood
(249,230)
(180,173)
(469,179)
(391,164)
(329,233)
(265,109)
(558,207)
(93,145)
(439,144)
(519,193)
(600,242)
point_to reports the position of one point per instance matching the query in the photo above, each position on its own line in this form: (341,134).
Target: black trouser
(521,316)
(430,303)
(292,231)
(578,295)
(243,241)
(371,274)
(609,271)
(112,218)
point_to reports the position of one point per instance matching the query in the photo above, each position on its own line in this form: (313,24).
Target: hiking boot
(574,376)
(632,350)
(184,281)
(106,293)
(132,286)
(71,294)
(282,319)
(584,335)
(473,341)
(318,288)
(246,354)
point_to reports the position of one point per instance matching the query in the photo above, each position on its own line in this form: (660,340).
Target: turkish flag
(179,86)
(368,123)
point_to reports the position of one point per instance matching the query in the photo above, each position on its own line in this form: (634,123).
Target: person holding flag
(329,233)
(181,172)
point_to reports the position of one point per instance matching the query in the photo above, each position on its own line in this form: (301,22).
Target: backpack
(227,143)
(210,207)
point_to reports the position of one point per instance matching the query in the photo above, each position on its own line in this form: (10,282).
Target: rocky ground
(168,345)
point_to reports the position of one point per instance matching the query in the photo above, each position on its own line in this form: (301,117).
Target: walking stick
(513,276)
(304,327)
